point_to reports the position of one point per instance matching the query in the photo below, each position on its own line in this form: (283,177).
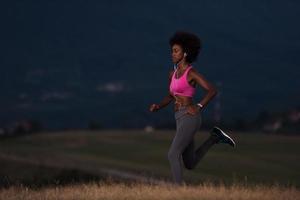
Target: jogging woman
(182,87)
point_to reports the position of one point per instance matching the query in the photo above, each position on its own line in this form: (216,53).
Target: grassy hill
(75,156)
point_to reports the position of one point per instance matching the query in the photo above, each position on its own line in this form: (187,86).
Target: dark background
(67,63)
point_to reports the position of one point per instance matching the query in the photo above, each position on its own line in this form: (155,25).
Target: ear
(185,54)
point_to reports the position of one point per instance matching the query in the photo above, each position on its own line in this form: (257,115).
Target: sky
(67,63)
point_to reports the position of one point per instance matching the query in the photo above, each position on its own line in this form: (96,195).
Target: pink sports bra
(181,86)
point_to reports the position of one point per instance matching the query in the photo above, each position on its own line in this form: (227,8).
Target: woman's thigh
(186,127)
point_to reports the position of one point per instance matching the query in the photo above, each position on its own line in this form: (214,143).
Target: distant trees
(271,122)
(21,127)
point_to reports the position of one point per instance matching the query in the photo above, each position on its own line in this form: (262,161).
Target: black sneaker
(224,138)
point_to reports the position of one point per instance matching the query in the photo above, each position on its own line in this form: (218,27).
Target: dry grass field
(148,191)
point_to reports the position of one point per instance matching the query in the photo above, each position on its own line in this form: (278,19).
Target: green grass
(257,159)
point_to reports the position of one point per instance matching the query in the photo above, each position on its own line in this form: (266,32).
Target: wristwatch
(200,105)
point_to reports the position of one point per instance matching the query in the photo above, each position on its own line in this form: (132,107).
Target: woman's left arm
(200,80)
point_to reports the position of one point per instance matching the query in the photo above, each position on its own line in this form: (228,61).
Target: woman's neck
(182,65)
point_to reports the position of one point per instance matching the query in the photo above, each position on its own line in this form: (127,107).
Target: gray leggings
(183,144)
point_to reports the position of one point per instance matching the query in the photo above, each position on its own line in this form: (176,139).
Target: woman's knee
(189,165)
(173,155)
(188,158)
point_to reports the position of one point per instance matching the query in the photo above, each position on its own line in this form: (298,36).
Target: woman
(182,85)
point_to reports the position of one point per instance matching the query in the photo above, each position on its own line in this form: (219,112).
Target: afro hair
(190,43)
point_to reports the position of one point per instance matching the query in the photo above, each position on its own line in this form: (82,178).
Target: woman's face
(177,53)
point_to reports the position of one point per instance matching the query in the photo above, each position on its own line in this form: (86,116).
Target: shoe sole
(226,136)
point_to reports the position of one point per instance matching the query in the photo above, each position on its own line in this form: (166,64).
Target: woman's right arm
(166,100)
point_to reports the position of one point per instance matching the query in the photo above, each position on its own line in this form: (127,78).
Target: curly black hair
(189,42)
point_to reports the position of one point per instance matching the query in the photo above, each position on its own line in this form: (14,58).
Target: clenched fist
(154,108)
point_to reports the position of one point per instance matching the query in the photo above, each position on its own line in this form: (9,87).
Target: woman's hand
(154,108)
(193,109)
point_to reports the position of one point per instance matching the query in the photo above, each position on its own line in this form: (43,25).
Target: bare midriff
(181,101)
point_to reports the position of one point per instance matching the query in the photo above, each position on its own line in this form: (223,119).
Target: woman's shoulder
(194,73)
(193,70)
